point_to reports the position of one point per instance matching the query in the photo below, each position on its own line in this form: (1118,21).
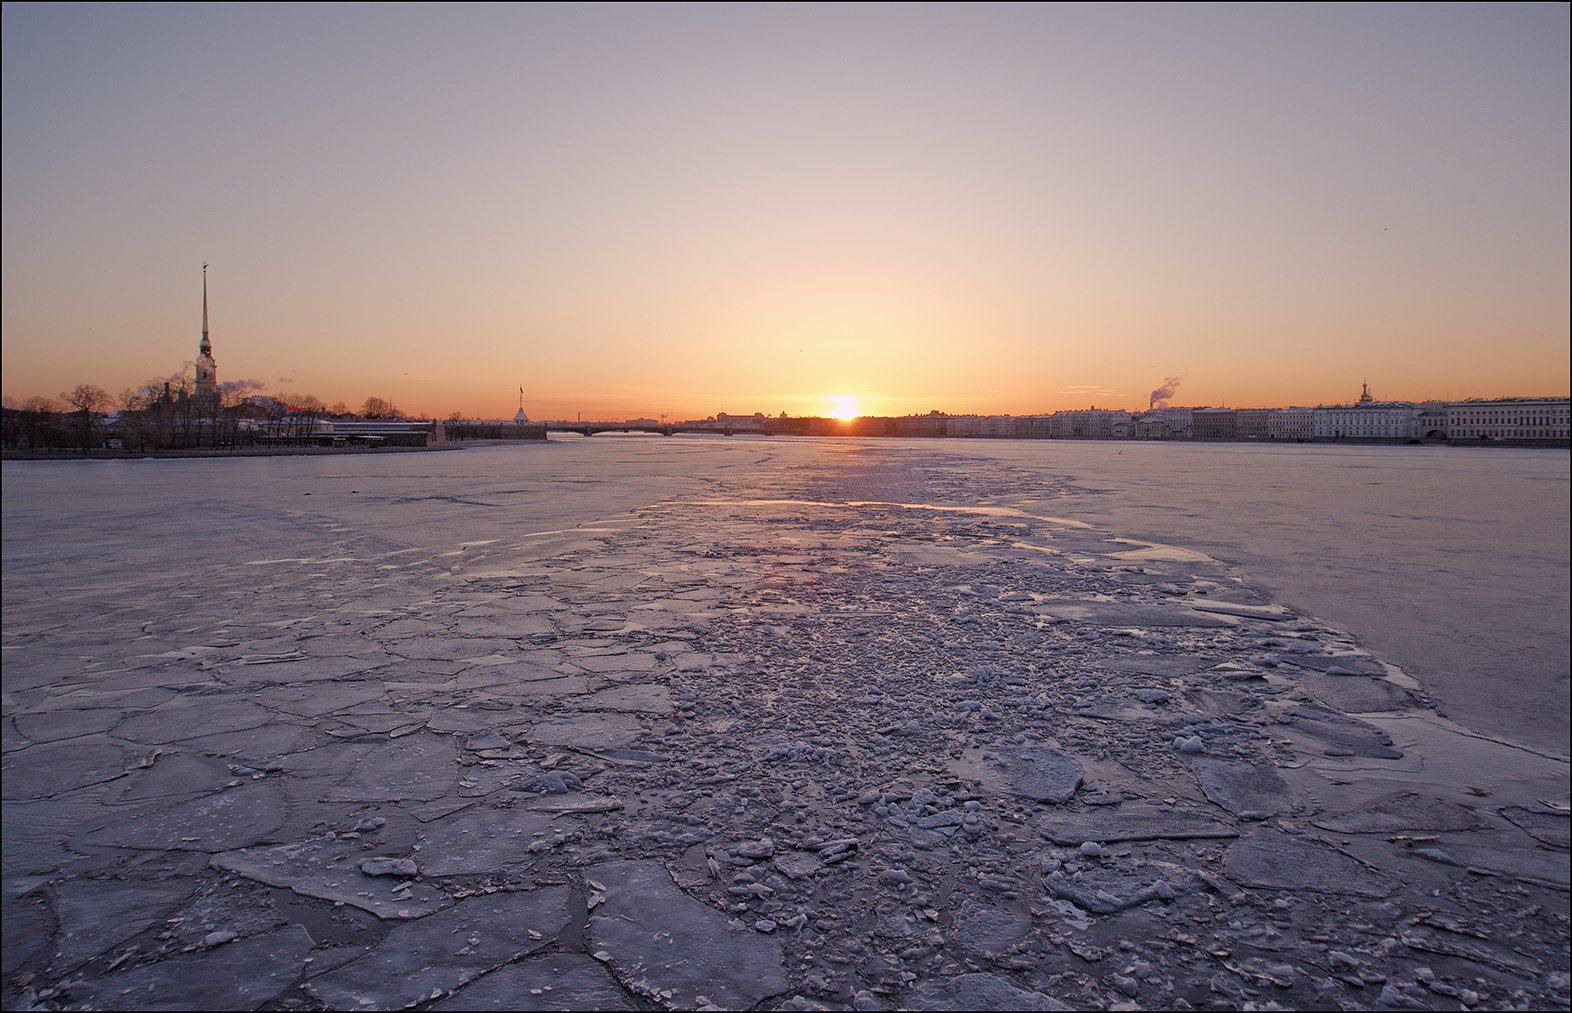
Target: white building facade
(1175,423)
(1512,418)
(1368,420)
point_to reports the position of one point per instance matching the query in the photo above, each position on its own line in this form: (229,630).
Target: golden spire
(206,347)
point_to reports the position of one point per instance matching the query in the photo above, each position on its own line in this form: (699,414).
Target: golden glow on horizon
(844,407)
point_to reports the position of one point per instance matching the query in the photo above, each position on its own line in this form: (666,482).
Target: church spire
(206,368)
(207,347)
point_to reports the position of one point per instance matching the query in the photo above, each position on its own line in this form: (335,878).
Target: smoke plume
(1161,395)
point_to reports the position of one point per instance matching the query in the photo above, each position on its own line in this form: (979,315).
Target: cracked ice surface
(804,724)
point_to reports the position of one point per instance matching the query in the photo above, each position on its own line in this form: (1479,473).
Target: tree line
(168,414)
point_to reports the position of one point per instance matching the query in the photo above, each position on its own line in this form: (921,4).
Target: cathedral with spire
(206,367)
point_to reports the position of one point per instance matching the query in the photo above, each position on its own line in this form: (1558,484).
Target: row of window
(1520,434)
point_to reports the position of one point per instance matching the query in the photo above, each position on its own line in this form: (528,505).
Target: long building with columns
(1509,418)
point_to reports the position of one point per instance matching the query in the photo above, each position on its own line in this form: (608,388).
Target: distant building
(1149,427)
(863,425)
(1171,424)
(206,367)
(1509,418)
(935,423)
(519,418)
(1432,420)
(1093,423)
(1291,424)
(982,425)
(1252,423)
(321,432)
(1034,427)
(1368,419)
(1214,424)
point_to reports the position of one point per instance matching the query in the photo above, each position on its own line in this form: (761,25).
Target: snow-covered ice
(781,724)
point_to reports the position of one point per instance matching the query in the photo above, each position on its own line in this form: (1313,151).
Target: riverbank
(248,452)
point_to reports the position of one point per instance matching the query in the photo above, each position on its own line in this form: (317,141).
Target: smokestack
(1161,395)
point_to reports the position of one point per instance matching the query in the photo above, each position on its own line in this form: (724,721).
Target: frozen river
(1451,562)
(609,722)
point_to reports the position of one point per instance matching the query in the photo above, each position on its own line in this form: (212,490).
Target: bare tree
(87,397)
(185,418)
(39,423)
(10,423)
(133,427)
(88,401)
(147,415)
(380,408)
(298,416)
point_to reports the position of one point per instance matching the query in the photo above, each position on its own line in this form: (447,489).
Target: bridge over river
(659,429)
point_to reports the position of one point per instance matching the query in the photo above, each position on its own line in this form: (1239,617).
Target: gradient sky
(650,209)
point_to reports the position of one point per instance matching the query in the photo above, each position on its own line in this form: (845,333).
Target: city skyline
(676,210)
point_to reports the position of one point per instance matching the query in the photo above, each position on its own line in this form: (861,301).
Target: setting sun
(844,407)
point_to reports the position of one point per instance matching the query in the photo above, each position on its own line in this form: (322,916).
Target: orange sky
(685,210)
